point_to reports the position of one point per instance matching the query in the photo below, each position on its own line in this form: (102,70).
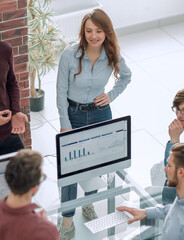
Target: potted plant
(44,41)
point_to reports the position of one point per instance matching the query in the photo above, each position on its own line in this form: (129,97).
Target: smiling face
(180,115)
(94,35)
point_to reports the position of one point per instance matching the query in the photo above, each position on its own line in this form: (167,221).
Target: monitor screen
(93,150)
(4,159)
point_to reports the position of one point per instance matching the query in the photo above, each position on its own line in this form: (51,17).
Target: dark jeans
(78,119)
(11,144)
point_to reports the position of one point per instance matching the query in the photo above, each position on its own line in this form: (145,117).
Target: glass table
(141,185)
(122,190)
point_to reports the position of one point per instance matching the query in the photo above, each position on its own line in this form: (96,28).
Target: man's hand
(5,116)
(102,100)
(18,123)
(138,214)
(175,130)
(65,130)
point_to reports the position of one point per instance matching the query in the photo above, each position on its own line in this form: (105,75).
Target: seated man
(19,221)
(173,227)
(176,128)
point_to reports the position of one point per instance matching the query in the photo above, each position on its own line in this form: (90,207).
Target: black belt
(82,106)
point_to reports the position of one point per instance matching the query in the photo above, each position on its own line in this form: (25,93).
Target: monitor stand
(93,184)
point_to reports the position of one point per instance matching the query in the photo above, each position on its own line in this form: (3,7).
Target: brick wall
(13,29)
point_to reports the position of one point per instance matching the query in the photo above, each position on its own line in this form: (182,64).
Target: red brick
(25,40)
(26,139)
(1,17)
(21,68)
(21,59)
(26,110)
(22,22)
(27,147)
(27,143)
(10,6)
(26,84)
(27,124)
(23,49)
(15,41)
(24,93)
(14,14)
(24,76)
(14,33)
(25,102)
(27,133)
(21,85)
(15,51)
(5,1)
(22,3)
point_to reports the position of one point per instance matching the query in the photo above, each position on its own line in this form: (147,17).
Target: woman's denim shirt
(89,84)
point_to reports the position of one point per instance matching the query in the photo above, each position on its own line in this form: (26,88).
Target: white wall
(126,12)
(130,12)
(65,6)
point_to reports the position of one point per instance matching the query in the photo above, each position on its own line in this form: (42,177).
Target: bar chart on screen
(94,149)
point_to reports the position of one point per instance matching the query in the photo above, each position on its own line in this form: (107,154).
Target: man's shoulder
(5,49)
(45,229)
(5,46)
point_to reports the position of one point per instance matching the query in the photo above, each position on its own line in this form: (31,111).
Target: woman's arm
(122,82)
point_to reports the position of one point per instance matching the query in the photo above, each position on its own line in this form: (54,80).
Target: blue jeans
(78,119)
(11,144)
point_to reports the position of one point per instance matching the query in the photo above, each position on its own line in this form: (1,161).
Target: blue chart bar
(77,154)
(70,156)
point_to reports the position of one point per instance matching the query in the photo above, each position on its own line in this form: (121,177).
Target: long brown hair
(102,20)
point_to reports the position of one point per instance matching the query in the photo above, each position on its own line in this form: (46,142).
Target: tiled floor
(155,58)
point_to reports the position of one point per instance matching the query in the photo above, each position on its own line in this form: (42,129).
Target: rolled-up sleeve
(62,89)
(157,212)
(122,82)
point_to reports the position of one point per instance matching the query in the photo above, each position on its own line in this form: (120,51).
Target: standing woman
(84,70)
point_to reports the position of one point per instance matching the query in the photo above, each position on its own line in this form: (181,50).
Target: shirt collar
(103,54)
(18,211)
(180,201)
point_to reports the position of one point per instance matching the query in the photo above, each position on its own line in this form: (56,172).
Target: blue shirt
(89,84)
(167,151)
(173,228)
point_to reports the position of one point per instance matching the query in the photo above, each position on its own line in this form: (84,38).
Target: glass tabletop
(146,177)
(137,197)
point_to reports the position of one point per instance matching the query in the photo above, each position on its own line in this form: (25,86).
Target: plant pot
(37,103)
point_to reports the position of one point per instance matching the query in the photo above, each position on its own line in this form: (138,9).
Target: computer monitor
(93,150)
(4,159)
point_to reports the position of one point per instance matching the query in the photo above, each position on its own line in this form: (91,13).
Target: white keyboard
(108,221)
